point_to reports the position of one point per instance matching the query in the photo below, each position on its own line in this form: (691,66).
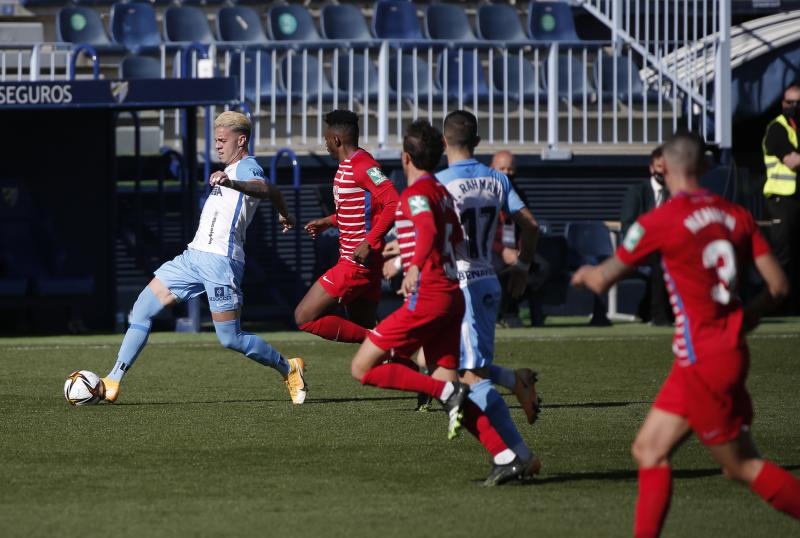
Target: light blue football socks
(503,377)
(145,308)
(231,336)
(485,396)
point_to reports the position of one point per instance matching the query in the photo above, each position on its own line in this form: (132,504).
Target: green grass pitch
(204,442)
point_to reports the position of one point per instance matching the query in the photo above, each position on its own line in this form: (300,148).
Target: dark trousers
(784,235)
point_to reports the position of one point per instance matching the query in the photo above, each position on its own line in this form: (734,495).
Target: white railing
(697,31)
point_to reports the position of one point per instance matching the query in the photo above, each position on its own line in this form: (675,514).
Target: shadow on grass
(264,400)
(629,474)
(597,405)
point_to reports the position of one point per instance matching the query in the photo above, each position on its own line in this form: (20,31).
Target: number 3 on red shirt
(719,254)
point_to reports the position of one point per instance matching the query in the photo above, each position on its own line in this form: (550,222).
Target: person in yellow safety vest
(782,161)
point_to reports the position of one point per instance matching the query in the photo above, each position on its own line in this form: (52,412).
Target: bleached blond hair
(235,121)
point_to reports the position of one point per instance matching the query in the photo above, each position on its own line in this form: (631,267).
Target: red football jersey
(704,240)
(362,192)
(428,230)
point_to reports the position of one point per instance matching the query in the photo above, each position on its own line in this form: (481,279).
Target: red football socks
(655,491)
(779,488)
(477,423)
(397,376)
(336,328)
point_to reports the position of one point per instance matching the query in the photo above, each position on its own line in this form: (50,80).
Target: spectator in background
(506,251)
(640,199)
(782,160)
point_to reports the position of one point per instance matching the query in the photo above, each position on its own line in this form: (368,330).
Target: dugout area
(58,195)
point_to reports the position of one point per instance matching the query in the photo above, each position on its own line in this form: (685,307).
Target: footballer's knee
(229,336)
(301,316)
(647,455)
(743,471)
(357,370)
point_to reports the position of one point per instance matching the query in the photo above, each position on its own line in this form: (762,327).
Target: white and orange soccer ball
(84,388)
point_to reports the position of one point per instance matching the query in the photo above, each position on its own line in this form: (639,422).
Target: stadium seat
(499,22)
(360,75)
(606,81)
(589,243)
(551,21)
(314,85)
(344,21)
(241,24)
(471,85)
(580,79)
(395,19)
(187,24)
(83,25)
(264,92)
(407,78)
(528,75)
(291,23)
(134,26)
(447,21)
(135,66)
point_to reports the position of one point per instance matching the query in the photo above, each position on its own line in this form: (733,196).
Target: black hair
(345,122)
(423,143)
(461,129)
(656,153)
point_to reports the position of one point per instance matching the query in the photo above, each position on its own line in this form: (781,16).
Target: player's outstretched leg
(453,395)
(522,383)
(146,307)
(741,461)
(310,317)
(231,336)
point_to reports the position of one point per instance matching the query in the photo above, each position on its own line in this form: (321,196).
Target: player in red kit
(366,202)
(703,240)
(428,230)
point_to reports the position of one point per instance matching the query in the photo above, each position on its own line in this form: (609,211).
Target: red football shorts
(711,395)
(347,282)
(431,321)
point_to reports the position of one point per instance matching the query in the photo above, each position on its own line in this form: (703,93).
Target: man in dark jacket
(641,198)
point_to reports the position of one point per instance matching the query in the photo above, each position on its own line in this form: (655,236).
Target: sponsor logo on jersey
(216,191)
(418,204)
(376,175)
(632,238)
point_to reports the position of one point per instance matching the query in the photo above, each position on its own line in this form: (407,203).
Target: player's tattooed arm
(599,278)
(771,296)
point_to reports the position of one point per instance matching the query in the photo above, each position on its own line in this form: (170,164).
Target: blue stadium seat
(83,25)
(499,22)
(471,86)
(447,21)
(202,2)
(344,21)
(291,23)
(407,78)
(136,66)
(187,24)
(264,92)
(314,85)
(395,19)
(551,21)
(580,79)
(589,243)
(606,81)
(360,75)
(241,24)
(134,26)
(528,76)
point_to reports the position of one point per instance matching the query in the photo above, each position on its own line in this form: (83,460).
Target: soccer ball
(84,388)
